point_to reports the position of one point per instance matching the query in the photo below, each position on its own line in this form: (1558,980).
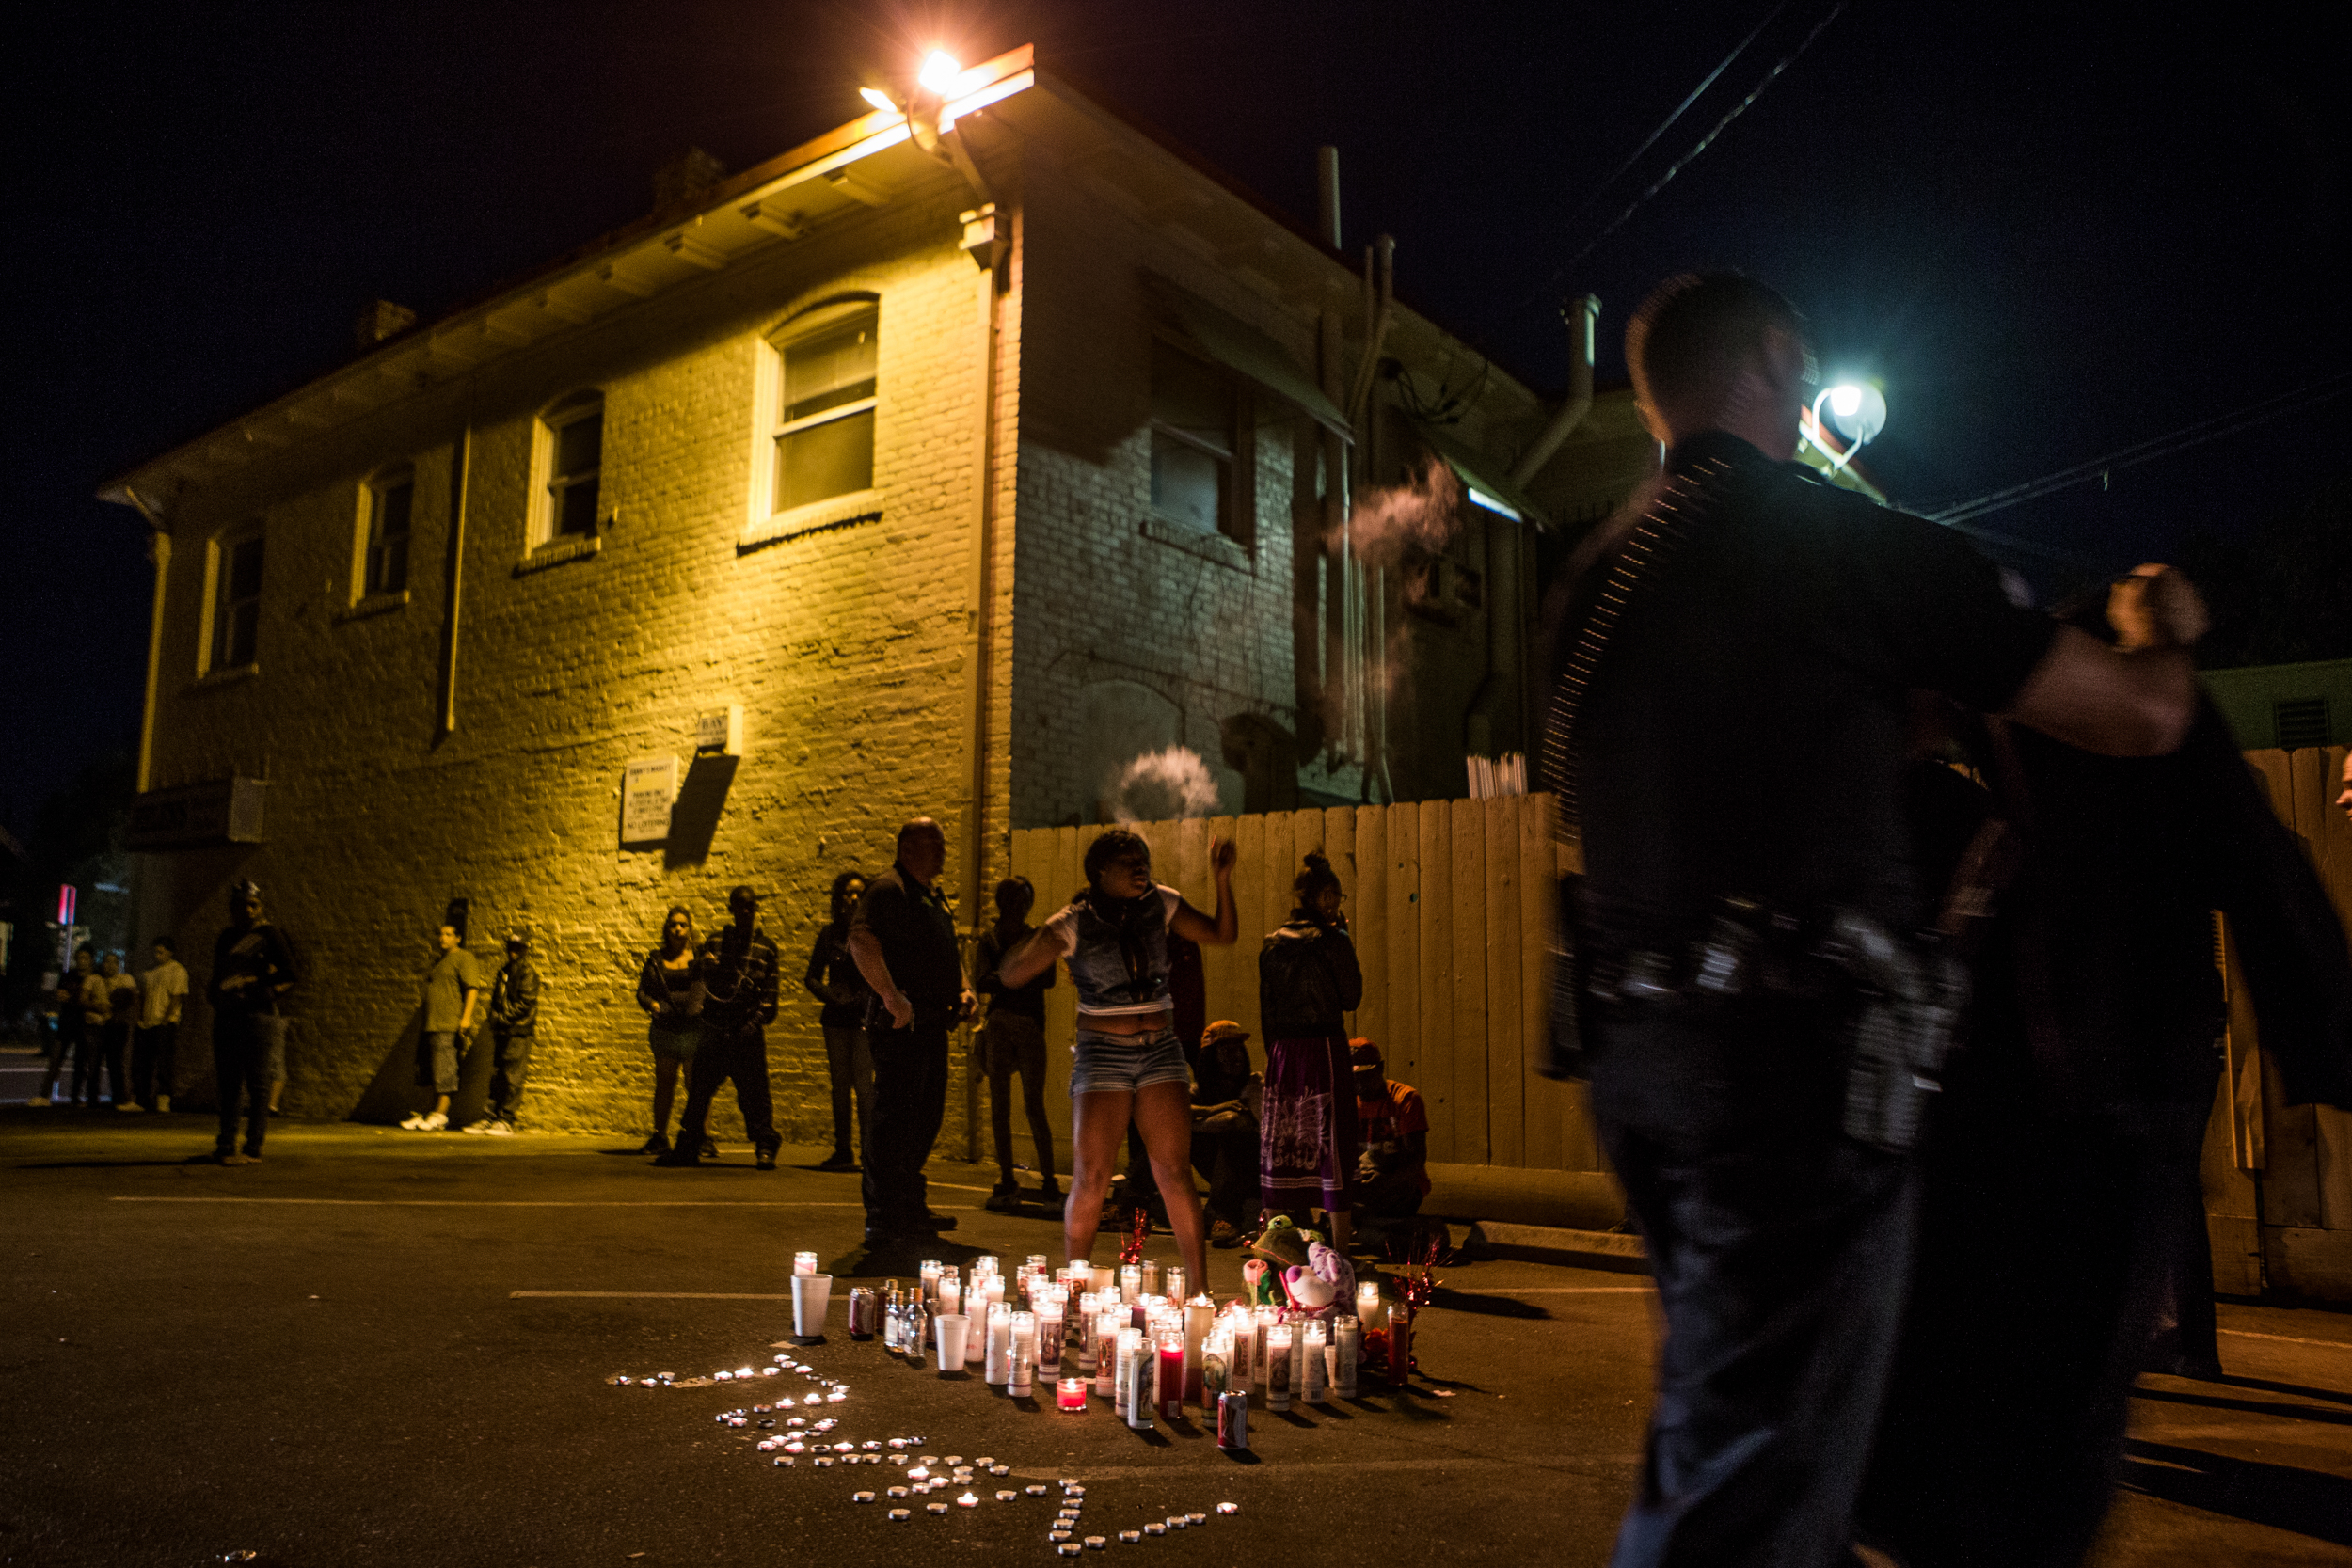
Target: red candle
(1172,1378)
(1072,1394)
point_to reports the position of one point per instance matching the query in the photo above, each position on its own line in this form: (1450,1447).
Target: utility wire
(1705,142)
(2148,451)
(1667,124)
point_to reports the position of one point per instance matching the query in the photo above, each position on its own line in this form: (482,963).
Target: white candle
(1199,1317)
(1368,1308)
(804,1262)
(1130,1284)
(1241,1332)
(1277,1356)
(930,1283)
(1172,1283)
(1346,1353)
(1103,1278)
(1130,1346)
(1049,1337)
(1135,1351)
(1082,1331)
(1106,1331)
(999,1352)
(1151,1277)
(950,1298)
(1316,1370)
(1023,1369)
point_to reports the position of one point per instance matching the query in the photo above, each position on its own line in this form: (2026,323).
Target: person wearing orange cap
(1392,1172)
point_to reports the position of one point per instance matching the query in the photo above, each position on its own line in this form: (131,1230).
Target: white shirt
(160,989)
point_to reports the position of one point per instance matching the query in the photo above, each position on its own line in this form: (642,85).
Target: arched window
(571,448)
(826,371)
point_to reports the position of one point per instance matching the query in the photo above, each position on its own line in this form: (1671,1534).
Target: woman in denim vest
(1129,1062)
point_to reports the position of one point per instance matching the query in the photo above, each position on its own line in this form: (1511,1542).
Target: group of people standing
(104,1017)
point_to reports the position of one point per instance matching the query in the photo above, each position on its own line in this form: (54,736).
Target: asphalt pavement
(378,1347)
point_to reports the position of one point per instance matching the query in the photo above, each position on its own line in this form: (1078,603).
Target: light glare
(1846,401)
(877,97)
(939,71)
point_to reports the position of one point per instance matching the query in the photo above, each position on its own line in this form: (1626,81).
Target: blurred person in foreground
(1740,972)
(2062,1217)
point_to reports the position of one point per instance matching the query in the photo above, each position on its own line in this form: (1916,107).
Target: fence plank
(1544,1109)
(1222,968)
(1250,898)
(1369,917)
(1506,1140)
(1466,843)
(1402,827)
(1432,908)
(1339,843)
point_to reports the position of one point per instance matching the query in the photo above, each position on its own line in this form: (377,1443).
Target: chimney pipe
(1580,315)
(1327,196)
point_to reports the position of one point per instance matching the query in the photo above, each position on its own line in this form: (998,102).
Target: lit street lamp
(1857,411)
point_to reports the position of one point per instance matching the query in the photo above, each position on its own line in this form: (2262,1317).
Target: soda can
(1232,1420)
(864,1317)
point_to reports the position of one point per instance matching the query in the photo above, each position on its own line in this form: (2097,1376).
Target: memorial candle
(1049,1337)
(1017,1384)
(1138,1384)
(1072,1394)
(1277,1367)
(1082,1331)
(1130,1284)
(1200,1316)
(950,1298)
(1347,1353)
(1315,1369)
(1130,1348)
(1216,1367)
(1107,1330)
(1171,1385)
(1024,1333)
(999,1348)
(1241,1335)
(931,1282)
(1368,1308)
(1172,1283)
(804,1262)
(1151,1277)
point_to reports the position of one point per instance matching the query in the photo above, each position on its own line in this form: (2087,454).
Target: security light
(939,71)
(877,97)
(1845,400)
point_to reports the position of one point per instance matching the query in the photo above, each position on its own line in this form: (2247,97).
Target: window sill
(828,516)
(234,675)
(373,604)
(1208,547)
(557,551)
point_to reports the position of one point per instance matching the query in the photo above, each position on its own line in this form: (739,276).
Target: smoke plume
(1390,521)
(1159,786)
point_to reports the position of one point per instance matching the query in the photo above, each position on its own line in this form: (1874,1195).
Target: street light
(1857,411)
(939,72)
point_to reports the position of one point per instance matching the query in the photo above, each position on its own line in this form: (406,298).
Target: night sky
(2054,232)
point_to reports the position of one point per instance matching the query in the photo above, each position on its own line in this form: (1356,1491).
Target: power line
(1705,142)
(2147,452)
(1663,126)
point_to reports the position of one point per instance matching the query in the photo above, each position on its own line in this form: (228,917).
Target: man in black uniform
(739,966)
(253,969)
(904,941)
(1740,608)
(514,1030)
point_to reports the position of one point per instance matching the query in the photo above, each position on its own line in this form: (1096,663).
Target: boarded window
(1194,415)
(386,569)
(825,431)
(237,604)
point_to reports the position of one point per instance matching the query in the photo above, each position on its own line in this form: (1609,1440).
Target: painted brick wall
(850,652)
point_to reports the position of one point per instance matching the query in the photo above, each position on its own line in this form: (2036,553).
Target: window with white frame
(824,433)
(236,606)
(384,551)
(1195,419)
(573,445)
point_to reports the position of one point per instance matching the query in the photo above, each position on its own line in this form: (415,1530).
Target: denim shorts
(1122,1064)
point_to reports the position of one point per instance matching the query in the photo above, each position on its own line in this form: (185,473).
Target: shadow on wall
(694,818)
(393,1093)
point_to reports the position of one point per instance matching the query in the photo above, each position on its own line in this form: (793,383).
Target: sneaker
(658,1144)
(497,1127)
(1005,1199)
(1225,1233)
(434,1123)
(129,1105)
(841,1159)
(767,1153)
(415,1122)
(234,1159)
(476,1129)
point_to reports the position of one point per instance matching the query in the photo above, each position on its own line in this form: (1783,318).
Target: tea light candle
(804,1262)
(1368,1308)
(1277,1367)
(1072,1394)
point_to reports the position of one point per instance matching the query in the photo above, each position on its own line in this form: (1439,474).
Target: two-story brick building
(947,464)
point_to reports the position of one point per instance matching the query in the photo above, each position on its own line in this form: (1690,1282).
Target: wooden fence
(1449,902)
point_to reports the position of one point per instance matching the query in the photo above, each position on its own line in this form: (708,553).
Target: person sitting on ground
(1393,1169)
(1013,1040)
(670,989)
(452,982)
(1226,1097)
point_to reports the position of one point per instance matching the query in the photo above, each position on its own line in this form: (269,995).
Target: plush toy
(1261,1285)
(1325,1279)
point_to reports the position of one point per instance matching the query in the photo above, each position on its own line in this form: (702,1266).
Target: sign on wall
(648,789)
